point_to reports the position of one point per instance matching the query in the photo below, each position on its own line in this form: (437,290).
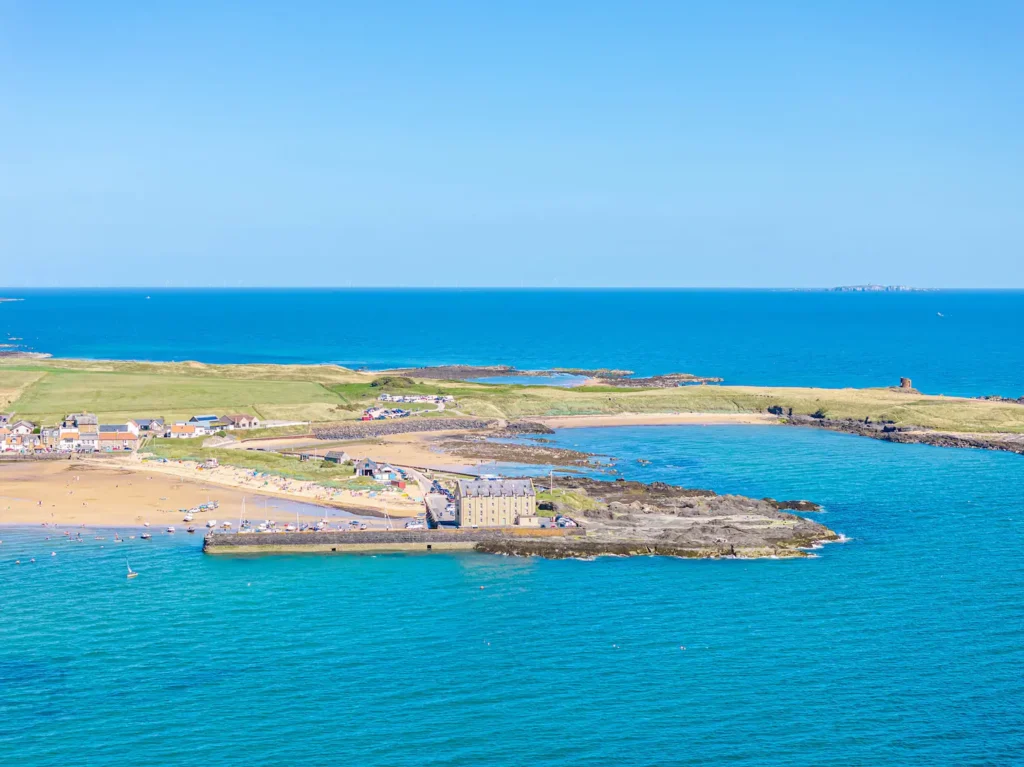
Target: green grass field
(46,390)
(117,395)
(270,463)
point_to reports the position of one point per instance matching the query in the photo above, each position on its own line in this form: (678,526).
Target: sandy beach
(131,493)
(78,492)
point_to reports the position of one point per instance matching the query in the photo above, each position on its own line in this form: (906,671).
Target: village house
(70,441)
(185,431)
(111,439)
(385,473)
(49,437)
(118,436)
(495,502)
(22,428)
(85,427)
(366,468)
(240,421)
(150,425)
(338,456)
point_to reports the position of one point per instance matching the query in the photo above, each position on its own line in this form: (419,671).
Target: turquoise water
(746,337)
(903,646)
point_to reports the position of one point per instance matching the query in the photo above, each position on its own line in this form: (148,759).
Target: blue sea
(902,646)
(947,342)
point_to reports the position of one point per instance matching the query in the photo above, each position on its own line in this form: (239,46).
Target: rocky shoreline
(607,377)
(634,519)
(481,448)
(890,432)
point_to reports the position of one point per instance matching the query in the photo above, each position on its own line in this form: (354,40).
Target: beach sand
(130,492)
(78,492)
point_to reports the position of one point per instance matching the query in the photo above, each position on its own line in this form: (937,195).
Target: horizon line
(422,288)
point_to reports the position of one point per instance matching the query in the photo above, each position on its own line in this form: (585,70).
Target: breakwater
(365,429)
(342,542)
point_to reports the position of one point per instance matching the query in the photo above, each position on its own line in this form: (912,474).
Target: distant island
(877,289)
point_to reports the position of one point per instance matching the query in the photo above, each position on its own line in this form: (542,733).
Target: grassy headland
(45,390)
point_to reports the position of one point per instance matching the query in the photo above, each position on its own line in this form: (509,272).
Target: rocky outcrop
(666,381)
(999,398)
(479,447)
(515,428)
(608,377)
(891,432)
(635,518)
(793,505)
(464,372)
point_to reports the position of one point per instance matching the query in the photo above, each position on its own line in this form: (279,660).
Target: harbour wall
(341,542)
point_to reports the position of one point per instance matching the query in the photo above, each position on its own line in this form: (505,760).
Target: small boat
(190,529)
(131,573)
(145,536)
(170,529)
(211,523)
(145,524)
(188,517)
(117,538)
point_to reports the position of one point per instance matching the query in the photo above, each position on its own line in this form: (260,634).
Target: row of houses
(437,399)
(83,433)
(203,425)
(79,432)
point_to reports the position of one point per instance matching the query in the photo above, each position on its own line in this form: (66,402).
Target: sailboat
(131,573)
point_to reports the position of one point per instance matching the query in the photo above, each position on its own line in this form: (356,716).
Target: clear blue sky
(547,143)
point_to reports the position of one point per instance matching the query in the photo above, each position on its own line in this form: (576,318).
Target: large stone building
(495,502)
